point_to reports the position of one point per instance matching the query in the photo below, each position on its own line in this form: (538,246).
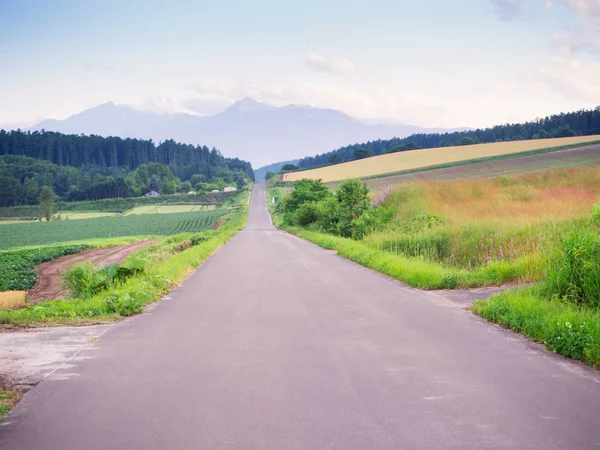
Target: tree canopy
(79,167)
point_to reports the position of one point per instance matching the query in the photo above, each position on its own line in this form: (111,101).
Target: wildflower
(501,255)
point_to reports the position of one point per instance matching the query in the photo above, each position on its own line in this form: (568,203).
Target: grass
(562,327)
(418,272)
(530,162)
(436,158)
(12,299)
(514,220)
(8,400)
(42,233)
(168,263)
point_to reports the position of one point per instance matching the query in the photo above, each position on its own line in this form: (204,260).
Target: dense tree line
(89,151)
(579,123)
(93,167)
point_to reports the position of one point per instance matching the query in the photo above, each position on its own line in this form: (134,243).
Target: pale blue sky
(427,62)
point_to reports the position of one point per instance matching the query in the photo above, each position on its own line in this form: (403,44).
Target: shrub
(574,272)
(84,280)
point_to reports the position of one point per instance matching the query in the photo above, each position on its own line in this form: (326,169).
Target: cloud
(335,66)
(585,35)
(507,9)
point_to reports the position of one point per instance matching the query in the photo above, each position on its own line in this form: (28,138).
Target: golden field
(527,198)
(415,159)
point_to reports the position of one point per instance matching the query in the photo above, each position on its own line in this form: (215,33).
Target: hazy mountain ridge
(248,129)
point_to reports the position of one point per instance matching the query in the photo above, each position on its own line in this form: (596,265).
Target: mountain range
(248,129)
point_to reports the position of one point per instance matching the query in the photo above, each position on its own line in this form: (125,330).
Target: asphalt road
(277,344)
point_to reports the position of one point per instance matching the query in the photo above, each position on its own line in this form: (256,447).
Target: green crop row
(17,267)
(41,233)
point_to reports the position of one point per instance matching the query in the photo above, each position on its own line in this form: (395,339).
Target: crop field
(41,233)
(83,215)
(169,209)
(416,159)
(542,162)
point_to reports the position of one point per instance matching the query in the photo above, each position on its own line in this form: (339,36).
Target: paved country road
(277,344)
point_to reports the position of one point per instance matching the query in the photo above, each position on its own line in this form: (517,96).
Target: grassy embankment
(163,266)
(510,229)
(436,158)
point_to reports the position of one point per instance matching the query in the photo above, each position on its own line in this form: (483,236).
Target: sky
(438,63)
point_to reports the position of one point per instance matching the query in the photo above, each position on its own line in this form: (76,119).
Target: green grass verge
(166,269)
(562,327)
(419,272)
(8,400)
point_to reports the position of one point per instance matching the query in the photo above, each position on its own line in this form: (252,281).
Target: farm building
(152,194)
(230,189)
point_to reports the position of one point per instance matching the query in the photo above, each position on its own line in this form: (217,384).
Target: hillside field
(416,159)
(541,162)
(41,233)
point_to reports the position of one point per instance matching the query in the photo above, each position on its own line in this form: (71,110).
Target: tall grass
(12,299)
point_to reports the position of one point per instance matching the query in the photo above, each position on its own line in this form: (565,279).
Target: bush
(84,280)
(574,272)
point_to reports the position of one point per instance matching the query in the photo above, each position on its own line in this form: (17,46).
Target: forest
(579,123)
(80,167)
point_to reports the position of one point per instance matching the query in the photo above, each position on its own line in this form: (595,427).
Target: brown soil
(49,274)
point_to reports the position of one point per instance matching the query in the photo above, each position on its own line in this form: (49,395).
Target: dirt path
(49,282)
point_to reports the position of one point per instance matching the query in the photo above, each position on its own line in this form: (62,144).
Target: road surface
(277,344)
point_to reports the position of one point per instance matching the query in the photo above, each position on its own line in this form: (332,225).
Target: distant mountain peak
(248,129)
(248,105)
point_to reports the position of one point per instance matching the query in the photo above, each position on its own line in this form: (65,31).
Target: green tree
(186,187)
(270,174)
(46,200)
(304,191)
(155,184)
(353,197)
(11,191)
(334,159)
(289,168)
(361,153)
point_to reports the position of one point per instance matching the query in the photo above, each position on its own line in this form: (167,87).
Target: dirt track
(49,283)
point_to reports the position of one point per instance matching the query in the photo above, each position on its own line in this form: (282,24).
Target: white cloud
(335,66)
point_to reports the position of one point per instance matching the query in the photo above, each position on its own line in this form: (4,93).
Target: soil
(49,274)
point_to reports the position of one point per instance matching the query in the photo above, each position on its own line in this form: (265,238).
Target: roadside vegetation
(105,294)
(8,400)
(540,229)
